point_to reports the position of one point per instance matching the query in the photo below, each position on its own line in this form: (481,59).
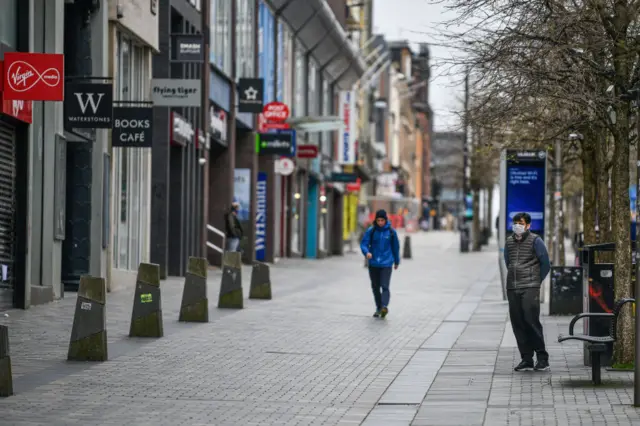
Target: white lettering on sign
(182,128)
(261,214)
(133,124)
(347,152)
(85,306)
(17,107)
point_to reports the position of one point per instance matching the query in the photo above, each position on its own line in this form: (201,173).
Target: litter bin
(597,295)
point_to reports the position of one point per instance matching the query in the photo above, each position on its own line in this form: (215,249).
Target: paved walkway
(314,356)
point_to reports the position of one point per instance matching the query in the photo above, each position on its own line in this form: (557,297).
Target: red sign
(261,122)
(33,76)
(354,187)
(276,111)
(307,151)
(276,126)
(22,110)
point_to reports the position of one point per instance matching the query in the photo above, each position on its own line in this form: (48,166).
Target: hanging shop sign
(284,166)
(176,92)
(307,151)
(88,106)
(280,143)
(188,47)
(276,112)
(344,177)
(202,139)
(251,95)
(181,130)
(347,145)
(22,110)
(218,124)
(354,187)
(132,127)
(261,216)
(33,76)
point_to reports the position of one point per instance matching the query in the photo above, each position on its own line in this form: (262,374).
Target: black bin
(566,290)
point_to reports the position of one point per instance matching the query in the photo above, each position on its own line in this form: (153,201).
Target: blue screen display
(526,194)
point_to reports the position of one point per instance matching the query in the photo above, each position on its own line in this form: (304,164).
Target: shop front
(131,163)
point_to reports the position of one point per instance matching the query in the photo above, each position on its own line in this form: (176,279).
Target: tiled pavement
(314,356)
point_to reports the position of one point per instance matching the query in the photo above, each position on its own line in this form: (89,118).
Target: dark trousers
(524,311)
(380,280)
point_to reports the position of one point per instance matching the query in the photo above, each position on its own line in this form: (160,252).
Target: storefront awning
(318,30)
(315,124)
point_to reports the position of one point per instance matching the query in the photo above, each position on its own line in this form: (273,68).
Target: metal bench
(597,344)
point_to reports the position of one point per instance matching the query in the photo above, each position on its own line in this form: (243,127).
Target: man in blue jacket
(528,264)
(381,247)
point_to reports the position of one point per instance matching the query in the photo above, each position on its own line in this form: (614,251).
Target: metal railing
(215,230)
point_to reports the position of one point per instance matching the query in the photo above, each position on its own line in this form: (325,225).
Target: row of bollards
(89,333)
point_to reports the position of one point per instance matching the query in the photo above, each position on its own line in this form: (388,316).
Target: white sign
(218,123)
(347,143)
(284,166)
(176,92)
(182,130)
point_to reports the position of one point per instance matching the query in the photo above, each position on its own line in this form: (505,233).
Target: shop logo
(280,143)
(181,131)
(187,47)
(176,92)
(251,95)
(33,76)
(21,76)
(132,127)
(89,106)
(276,111)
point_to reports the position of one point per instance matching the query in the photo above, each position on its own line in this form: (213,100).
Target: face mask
(518,229)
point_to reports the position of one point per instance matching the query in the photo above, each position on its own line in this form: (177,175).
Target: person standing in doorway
(381,247)
(233,228)
(528,264)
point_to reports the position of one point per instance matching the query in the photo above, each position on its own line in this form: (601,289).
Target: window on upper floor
(220,33)
(245,43)
(9,23)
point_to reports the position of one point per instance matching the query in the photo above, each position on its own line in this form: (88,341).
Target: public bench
(597,344)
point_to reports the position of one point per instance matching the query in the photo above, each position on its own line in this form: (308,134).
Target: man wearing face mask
(528,264)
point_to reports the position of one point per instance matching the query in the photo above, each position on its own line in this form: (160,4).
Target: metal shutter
(7,200)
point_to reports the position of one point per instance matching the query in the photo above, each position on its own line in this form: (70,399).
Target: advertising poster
(526,188)
(261,215)
(242,192)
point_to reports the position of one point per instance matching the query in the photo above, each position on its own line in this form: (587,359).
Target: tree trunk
(589,183)
(477,238)
(621,224)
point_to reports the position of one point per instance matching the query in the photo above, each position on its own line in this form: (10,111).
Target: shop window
(131,166)
(245,49)
(8,23)
(220,30)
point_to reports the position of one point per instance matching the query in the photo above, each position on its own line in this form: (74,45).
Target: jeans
(524,312)
(380,280)
(233,244)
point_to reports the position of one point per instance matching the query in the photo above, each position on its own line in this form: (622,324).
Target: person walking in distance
(528,264)
(381,247)
(233,228)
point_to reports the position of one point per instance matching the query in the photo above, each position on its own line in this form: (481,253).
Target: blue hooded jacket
(385,247)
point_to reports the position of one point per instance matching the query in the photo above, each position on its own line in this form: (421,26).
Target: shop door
(312,219)
(7,213)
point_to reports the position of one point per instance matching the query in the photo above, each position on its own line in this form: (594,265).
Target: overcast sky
(421,21)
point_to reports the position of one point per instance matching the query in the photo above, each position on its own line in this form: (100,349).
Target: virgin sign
(276,111)
(33,76)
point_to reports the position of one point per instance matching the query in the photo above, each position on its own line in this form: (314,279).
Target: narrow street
(314,356)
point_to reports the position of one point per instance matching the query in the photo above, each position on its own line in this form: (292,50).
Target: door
(7,213)
(312,219)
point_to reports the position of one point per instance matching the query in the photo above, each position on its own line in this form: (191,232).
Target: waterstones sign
(261,216)
(176,92)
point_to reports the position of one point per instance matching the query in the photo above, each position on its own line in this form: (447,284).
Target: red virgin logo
(33,76)
(23,76)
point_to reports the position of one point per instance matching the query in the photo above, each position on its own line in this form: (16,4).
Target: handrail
(220,233)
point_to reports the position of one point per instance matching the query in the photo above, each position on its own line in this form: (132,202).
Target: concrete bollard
(89,333)
(406,252)
(231,285)
(6,377)
(195,305)
(260,282)
(146,318)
